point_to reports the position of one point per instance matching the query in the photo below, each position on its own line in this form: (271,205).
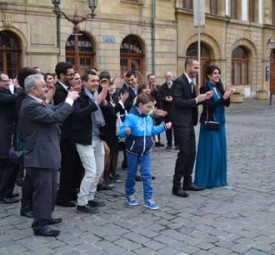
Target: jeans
(145,169)
(92,158)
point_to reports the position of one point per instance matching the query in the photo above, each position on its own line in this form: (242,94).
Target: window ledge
(131,2)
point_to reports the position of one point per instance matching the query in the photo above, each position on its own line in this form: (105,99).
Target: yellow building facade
(152,36)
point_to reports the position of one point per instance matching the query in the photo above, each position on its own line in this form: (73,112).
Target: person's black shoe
(138,178)
(96,203)
(153,177)
(168,147)
(28,214)
(64,203)
(87,209)
(158,144)
(179,193)
(192,187)
(9,200)
(55,221)
(103,187)
(15,194)
(46,231)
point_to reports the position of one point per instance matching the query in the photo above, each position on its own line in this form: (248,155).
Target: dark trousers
(186,156)
(169,137)
(44,182)
(8,175)
(70,172)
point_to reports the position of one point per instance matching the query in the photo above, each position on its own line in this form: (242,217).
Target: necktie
(192,86)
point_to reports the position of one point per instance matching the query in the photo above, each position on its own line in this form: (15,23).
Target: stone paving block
(137,238)
(153,245)
(127,244)
(205,246)
(164,239)
(146,251)
(220,251)
(168,250)
(109,247)
(203,252)
(224,244)
(240,248)
(16,249)
(255,252)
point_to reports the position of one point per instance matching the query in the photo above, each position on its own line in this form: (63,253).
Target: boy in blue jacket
(138,129)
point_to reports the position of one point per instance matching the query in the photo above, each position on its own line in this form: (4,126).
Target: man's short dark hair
(62,68)
(105,75)
(85,76)
(130,73)
(188,62)
(23,73)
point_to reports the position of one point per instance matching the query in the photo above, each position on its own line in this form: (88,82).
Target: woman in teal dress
(211,163)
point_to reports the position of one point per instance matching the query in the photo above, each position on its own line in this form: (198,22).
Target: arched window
(206,58)
(187,4)
(240,66)
(10,53)
(86,51)
(131,55)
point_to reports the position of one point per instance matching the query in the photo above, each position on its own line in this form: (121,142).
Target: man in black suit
(184,118)
(7,120)
(41,135)
(166,98)
(69,157)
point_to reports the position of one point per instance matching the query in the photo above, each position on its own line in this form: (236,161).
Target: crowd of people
(77,124)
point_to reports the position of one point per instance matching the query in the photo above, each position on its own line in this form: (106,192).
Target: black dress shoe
(138,178)
(96,203)
(103,187)
(153,177)
(46,231)
(180,193)
(192,187)
(64,203)
(55,221)
(9,200)
(87,209)
(28,214)
(158,144)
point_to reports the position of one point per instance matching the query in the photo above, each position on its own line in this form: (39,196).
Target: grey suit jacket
(41,132)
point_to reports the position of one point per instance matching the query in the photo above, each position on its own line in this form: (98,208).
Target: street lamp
(75,19)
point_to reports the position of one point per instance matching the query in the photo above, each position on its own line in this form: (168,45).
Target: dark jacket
(110,116)
(164,91)
(184,106)
(41,133)
(7,119)
(130,100)
(60,94)
(81,122)
(210,105)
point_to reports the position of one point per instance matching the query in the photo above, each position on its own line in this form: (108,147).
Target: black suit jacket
(210,105)
(184,106)
(130,100)
(60,94)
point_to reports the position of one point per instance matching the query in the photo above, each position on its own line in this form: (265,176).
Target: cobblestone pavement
(237,219)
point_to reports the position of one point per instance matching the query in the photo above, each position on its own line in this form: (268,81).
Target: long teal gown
(211,162)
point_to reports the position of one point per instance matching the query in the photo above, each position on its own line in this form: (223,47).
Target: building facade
(151,36)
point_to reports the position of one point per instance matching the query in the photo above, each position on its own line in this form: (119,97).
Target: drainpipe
(153,15)
(58,35)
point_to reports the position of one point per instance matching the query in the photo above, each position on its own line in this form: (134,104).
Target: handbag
(211,125)
(15,156)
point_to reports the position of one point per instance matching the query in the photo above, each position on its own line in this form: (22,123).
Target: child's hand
(128,130)
(168,125)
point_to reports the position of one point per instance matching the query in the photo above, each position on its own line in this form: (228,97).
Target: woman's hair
(210,69)
(141,87)
(144,99)
(46,75)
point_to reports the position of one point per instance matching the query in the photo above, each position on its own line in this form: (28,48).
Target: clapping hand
(128,130)
(168,125)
